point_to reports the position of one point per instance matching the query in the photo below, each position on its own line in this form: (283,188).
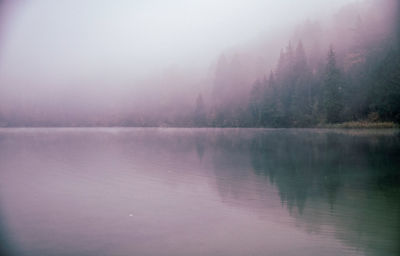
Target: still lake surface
(164,191)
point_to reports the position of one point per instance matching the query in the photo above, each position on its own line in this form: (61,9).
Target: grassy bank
(361,125)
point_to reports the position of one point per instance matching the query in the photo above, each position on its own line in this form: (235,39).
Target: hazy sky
(49,44)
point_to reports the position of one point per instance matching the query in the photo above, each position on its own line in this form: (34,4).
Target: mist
(199,127)
(150,62)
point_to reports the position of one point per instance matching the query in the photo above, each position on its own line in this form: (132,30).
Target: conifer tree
(332,89)
(200,112)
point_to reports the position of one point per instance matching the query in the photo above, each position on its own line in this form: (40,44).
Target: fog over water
(68,60)
(96,54)
(199,127)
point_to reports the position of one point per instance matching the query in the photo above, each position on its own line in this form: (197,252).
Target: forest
(360,81)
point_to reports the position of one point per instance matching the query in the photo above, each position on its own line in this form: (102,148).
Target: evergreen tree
(256,102)
(332,89)
(300,59)
(200,112)
(301,91)
(272,103)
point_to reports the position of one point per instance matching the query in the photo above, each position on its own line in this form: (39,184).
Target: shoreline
(344,125)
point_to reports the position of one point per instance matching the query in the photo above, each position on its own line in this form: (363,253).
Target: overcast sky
(47,44)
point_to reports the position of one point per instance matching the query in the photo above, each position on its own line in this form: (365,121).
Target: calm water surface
(117,191)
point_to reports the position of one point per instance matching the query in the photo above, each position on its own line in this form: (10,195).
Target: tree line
(361,83)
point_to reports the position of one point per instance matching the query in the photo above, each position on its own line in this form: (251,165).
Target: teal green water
(122,191)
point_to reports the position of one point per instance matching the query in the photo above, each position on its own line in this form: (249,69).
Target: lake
(167,191)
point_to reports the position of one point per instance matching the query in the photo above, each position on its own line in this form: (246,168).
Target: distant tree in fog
(200,112)
(332,89)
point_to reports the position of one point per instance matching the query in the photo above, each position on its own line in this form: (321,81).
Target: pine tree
(255,105)
(270,102)
(200,112)
(300,59)
(300,93)
(332,89)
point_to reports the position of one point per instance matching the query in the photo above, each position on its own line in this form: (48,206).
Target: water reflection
(349,182)
(331,182)
(200,192)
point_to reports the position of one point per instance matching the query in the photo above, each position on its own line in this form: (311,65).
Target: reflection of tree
(321,164)
(297,166)
(345,184)
(200,146)
(324,178)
